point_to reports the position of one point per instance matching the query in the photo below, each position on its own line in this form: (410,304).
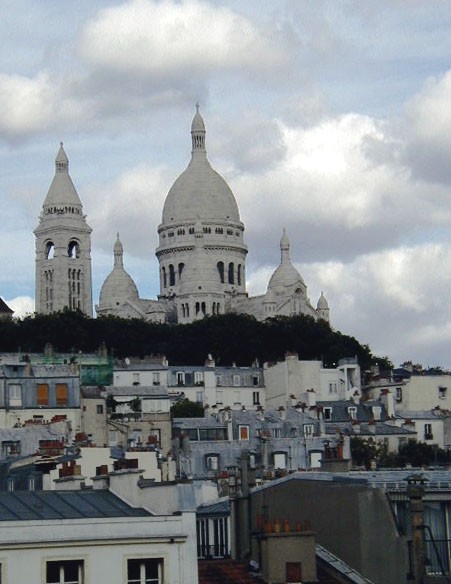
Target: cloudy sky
(331,118)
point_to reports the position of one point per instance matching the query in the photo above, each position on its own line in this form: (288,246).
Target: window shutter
(43,394)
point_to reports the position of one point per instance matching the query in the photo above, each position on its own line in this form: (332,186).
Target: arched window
(164,277)
(220,267)
(187,310)
(171,275)
(197,308)
(181,266)
(49,250)
(203,308)
(238,275)
(231,273)
(183,311)
(73,249)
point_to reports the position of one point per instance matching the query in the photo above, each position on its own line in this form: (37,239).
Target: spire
(284,248)
(198,132)
(61,160)
(118,252)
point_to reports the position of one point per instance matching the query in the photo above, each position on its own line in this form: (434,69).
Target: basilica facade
(201,254)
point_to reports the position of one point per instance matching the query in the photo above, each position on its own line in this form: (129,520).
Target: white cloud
(22,306)
(427,130)
(29,104)
(132,206)
(185,38)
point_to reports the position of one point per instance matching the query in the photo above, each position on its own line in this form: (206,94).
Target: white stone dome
(200,192)
(285,275)
(119,285)
(322,303)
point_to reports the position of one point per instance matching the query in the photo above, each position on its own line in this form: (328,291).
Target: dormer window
(442,392)
(352,412)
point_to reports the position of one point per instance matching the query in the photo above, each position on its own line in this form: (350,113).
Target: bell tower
(63,247)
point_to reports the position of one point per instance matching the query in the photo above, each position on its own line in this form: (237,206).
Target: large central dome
(200,192)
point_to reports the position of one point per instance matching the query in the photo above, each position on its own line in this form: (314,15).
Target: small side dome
(322,303)
(286,275)
(119,286)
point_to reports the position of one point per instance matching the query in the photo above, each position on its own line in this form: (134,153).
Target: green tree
(187,409)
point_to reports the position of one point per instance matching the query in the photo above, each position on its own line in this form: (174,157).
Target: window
(61,394)
(199,377)
(155,378)
(135,378)
(332,388)
(276,432)
(442,392)
(145,571)
(199,397)
(352,413)
(308,430)
(398,394)
(255,379)
(64,572)
(237,398)
(293,572)
(43,394)
(256,398)
(428,432)
(171,275)
(328,413)
(10,448)
(180,378)
(219,396)
(231,273)
(99,408)
(220,267)
(212,461)
(15,395)
(243,432)
(113,437)
(280,460)
(218,379)
(236,380)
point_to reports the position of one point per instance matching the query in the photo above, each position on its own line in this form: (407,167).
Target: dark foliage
(417,454)
(229,338)
(187,409)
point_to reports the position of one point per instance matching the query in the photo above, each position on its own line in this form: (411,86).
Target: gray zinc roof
(51,505)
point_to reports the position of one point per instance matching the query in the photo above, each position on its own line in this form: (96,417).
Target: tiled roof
(48,505)
(225,571)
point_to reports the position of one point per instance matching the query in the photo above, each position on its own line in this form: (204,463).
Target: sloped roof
(51,505)
(4,308)
(221,571)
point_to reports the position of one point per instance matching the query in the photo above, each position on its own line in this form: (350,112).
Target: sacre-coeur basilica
(201,254)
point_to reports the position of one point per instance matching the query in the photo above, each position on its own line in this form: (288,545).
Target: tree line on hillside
(230,338)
